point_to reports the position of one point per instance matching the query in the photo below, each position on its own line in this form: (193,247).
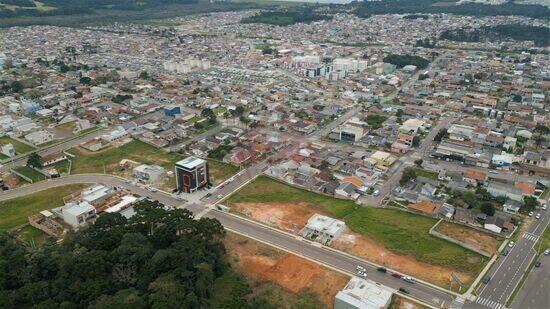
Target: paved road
(535,291)
(291,243)
(508,270)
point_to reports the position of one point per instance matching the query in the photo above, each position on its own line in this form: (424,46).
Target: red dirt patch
(294,274)
(290,217)
(370,250)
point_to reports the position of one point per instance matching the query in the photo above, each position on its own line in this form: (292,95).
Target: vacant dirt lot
(477,239)
(260,262)
(290,217)
(370,250)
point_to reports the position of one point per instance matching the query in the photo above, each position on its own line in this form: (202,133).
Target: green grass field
(14,212)
(265,189)
(29,172)
(94,162)
(426,173)
(220,171)
(17,145)
(400,232)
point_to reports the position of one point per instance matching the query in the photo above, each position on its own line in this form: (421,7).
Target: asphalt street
(535,291)
(508,270)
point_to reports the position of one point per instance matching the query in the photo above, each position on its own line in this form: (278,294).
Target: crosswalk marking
(488,303)
(530,237)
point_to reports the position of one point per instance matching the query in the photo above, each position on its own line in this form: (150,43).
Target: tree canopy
(159,258)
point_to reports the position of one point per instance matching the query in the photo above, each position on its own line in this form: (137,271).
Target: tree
(488,209)
(416,141)
(144,75)
(408,175)
(209,114)
(418,162)
(34,160)
(529,203)
(85,80)
(440,135)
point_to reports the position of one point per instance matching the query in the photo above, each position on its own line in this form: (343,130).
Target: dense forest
(368,8)
(159,258)
(403,60)
(286,17)
(540,35)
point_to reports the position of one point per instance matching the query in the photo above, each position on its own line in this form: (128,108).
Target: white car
(544,207)
(537,216)
(510,244)
(531,214)
(547,252)
(408,279)
(362,274)
(361,268)
(376,192)
(220,196)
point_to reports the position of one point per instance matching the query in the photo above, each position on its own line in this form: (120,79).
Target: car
(493,172)
(511,244)
(544,207)
(531,214)
(376,192)
(505,252)
(486,279)
(408,279)
(360,268)
(220,196)
(403,290)
(537,264)
(382,269)
(396,275)
(537,216)
(208,195)
(546,252)
(362,274)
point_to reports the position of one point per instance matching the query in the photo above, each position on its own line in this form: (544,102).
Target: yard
(394,238)
(32,235)
(30,173)
(220,171)
(472,237)
(425,173)
(14,212)
(17,145)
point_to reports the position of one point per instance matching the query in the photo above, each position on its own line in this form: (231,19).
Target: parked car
(408,279)
(486,279)
(403,290)
(493,172)
(547,252)
(382,269)
(505,253)
(220,196)
(537,216)
(537,264)
(510,244)
(396,275)
(362,274)
(544,207)
(531,214)
(376,192)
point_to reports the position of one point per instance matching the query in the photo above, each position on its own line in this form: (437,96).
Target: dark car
(403,290)
(382,269)
(537,264)
(396,275)
(505,252)
(486,279)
